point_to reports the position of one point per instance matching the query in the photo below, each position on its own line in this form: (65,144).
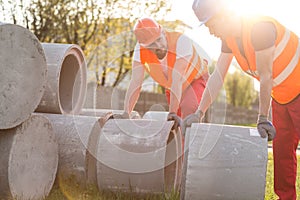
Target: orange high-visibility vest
(194,70)
(286,65)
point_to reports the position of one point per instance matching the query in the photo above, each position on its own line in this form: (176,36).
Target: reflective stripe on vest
(286,63)
(293,63)
(289,68)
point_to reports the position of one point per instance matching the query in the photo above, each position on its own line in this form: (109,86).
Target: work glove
(124,115)
(192,118)
(265,128)
(177,120)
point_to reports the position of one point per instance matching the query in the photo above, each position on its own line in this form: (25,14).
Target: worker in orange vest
(174,61)
(269,52)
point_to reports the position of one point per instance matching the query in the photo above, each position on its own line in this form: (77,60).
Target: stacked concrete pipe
(224,162)
(77,138)
(139,156)
(66,83)
(156,115)
(29,159)
(22,75)
(103,112)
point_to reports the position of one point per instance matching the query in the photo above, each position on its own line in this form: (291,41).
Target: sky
(286,12)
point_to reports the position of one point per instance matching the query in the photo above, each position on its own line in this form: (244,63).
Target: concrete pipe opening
(66,88)
(69,78)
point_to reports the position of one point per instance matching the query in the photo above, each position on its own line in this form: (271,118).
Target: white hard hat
(205,9)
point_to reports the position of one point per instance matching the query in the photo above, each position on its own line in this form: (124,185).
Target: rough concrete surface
(141,156)
(103,112)
(23,72)
(224,162)
(66,87)
(77,140)
(29,159)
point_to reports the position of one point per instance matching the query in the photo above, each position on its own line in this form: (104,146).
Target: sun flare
(246,7)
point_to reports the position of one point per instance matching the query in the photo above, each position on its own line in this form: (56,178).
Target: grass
(70,191)
(92,193)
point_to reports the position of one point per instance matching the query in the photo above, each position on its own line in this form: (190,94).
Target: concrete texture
(223,163)
(22,75)
(29,159)
(77,138)
(140,156)
(103,112)
(66,82)
(156,115)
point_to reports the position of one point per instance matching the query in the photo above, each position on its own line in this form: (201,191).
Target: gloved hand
(265,128)
(177,120)
(192,118)
(124,115)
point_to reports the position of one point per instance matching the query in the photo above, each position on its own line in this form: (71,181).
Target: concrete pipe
(103,112)
(224,162)
(22,75)
(156,115)
(139,156)
(29,159)
(77,138)
(66,84)
(162,116)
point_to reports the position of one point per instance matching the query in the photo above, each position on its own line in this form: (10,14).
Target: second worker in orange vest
(268,51)
(173,60)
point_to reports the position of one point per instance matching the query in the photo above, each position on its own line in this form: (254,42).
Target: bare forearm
(211,91)
(215,82)
(135,85)
(264,59)
(175,98)
(132,95)
(265,96)
(178,77)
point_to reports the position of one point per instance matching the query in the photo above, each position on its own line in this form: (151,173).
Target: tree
(240,91)
(56,21)
(113,55)
(102,28)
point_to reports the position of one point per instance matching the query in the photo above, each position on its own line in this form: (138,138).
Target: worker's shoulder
(254,19)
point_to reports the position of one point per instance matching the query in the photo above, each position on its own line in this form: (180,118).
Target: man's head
(150,35)
(216,16)
(206,9)
(147,31)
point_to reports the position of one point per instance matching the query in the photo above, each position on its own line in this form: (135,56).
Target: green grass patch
(70,191)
